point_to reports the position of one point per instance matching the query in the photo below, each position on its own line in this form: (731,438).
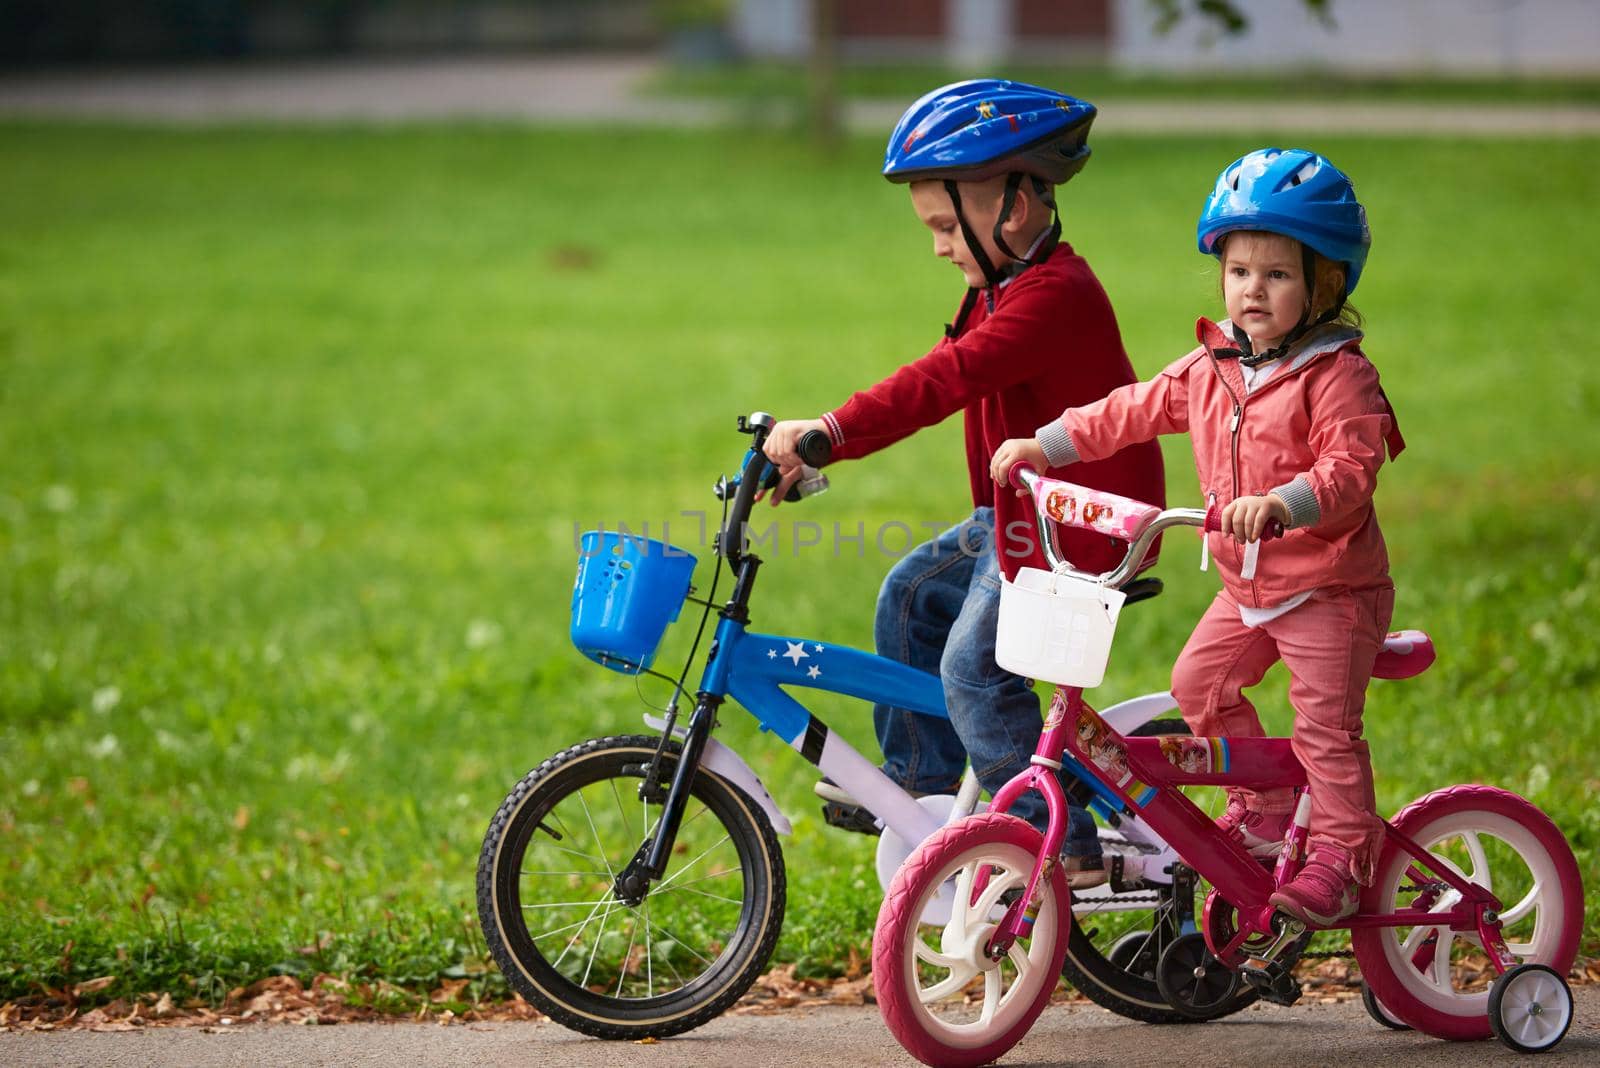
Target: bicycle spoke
(687,947)
(622,810)
(1481,874)
(595,949)
(592,874)
(592,830)
(663,884)
(703,878)
(991,996)
(581,923)
(622,971)
(950,986)
(928,955)
(1529,902)
(702,893)
(558,930)
(569,904)
(1439,970)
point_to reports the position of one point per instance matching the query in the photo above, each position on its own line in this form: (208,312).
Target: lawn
(298,425)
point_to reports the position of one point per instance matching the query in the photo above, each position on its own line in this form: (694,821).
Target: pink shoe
(1261,833)
(1324,892)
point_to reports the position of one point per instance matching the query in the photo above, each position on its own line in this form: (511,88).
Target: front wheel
(1432,977)
(589,960)
(938,990)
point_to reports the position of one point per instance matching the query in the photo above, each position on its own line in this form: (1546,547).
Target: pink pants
(1328,644)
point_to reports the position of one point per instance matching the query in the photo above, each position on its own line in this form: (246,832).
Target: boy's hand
(1016,451)
(783,443)
(1246,517)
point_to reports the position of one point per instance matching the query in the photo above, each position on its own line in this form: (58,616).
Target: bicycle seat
(1405,653)
(1142,589)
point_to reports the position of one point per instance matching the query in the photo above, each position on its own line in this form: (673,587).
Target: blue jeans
(937,611)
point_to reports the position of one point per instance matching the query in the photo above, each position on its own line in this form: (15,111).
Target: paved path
(1307,1035)
(615,89)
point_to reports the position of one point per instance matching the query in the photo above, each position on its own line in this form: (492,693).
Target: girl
(1288,423)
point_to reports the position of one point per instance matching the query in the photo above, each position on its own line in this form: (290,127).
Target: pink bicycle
(1471,880)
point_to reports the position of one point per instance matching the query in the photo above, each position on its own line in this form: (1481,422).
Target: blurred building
(1516,37)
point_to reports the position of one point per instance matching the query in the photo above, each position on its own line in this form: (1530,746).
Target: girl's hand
(1246,517)
(1016,451)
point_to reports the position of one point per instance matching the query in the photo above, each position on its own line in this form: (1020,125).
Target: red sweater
(1049,343)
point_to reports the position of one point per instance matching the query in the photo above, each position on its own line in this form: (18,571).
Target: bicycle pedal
(1277,987)
(851,818)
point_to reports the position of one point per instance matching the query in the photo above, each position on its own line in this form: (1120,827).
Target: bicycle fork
(650,862)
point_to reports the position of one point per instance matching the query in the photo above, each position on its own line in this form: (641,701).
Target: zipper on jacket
(1233,449)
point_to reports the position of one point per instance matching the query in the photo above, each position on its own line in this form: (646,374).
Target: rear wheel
(594,963)
(1117,939)
(1434,978)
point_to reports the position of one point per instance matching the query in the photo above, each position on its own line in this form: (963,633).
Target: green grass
(297,425)
(766,83)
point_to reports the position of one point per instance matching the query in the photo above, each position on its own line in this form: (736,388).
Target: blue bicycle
(633,886)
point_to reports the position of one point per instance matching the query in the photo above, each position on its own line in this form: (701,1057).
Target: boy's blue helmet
(973,130)
(1294,192)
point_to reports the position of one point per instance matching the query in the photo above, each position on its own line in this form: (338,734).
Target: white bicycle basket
(1056,628)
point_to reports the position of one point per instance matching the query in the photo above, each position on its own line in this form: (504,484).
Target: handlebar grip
(1014,476)
(1214,522)
(815,448)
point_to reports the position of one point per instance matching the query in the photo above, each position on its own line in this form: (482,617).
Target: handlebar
(815,448)
(1023,476)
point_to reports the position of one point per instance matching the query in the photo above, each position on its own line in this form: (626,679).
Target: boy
(1035,334)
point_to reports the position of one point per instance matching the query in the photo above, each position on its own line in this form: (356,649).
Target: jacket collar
(1330,337)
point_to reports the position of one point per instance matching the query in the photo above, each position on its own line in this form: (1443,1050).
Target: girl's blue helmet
(1294,192)
(973,130)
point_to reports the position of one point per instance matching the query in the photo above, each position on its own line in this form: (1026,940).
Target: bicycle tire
(723,940)
(1494,838)
(932,1020)
(1127,984)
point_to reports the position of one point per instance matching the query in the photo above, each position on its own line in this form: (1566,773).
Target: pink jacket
(1315,434)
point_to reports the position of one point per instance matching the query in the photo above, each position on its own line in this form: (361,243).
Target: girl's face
(1263,285)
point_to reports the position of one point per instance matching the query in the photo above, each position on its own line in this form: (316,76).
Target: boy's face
(1263,285)
(980,202)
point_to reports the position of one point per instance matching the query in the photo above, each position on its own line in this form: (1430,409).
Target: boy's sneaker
(1084,872)
(1324,892)
(1261,833)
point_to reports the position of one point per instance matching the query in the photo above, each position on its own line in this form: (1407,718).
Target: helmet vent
(1304,174)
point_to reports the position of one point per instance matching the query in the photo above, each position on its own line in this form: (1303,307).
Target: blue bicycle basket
(628,589)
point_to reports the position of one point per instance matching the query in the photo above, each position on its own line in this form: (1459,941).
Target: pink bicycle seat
(1405,653)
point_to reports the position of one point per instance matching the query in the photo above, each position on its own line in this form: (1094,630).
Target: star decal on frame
(813,671)
(772,654)
(796,652)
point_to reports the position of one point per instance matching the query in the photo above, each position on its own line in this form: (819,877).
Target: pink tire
(1492,837)
(925,975)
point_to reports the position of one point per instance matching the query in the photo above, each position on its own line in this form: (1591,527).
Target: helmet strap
(1013,183)
(974,246)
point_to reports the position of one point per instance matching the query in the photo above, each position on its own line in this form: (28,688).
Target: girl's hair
(1328,284)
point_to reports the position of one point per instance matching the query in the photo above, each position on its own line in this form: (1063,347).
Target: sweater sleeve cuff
(835,432)
(1301,502)
(1057,444)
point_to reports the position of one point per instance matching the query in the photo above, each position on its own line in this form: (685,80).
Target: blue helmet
(973,130)
(1294,192)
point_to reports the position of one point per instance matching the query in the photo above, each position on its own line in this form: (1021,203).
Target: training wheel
(1194,982)
(1375,1009)
(1530,1008)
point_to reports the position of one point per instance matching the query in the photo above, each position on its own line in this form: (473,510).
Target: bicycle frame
(754,668)
(1146,774)
(1147,781)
